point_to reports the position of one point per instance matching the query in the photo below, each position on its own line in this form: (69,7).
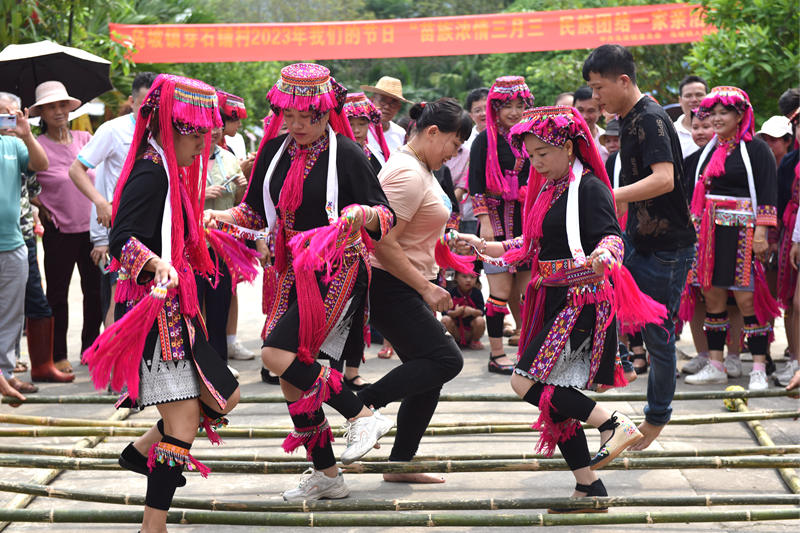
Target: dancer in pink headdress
(306,186)
(733,205)
(498,174)
(578,293)
(365,118)
(158,348)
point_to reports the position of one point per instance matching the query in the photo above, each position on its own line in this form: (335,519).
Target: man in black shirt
(659,237)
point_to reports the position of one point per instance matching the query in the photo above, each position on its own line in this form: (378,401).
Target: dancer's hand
(210,219)
(469,239)
(165,274)
(794,254)
(437,298)
(487,233)
(598,261)
(354,214)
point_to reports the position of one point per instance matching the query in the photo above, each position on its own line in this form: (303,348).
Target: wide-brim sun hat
(387,86)
(52,91)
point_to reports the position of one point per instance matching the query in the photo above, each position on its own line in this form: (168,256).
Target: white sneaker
(234,372)
(237,351)
(708,374)
(695,365)
(785,374)
(362,435)
(758,380)
(315,485)
(733,366)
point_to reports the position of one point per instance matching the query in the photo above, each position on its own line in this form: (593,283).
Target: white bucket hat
(776,126)
(52,91)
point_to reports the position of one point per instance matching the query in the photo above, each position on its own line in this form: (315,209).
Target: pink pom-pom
(632,307)
(242,262)
(766,307)
(445,258)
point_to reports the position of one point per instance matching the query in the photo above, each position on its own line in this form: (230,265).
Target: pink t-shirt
(417,198)
(67,204)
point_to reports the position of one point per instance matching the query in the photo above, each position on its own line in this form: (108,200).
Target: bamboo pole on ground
(610,396)
(487,504)
(266,433)
(380,467)
(789,475)
(21,501)
(423,519)
(220,455)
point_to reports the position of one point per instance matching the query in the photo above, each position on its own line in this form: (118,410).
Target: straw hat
(388,86)
(52,91)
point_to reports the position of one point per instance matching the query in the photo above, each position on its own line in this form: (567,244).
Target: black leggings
(567,403)
(218,303)
(430,359)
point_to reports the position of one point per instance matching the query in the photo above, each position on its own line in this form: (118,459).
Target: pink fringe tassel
(118,350)
(151,457)
(128,290)
(319,439)
(632,307)
(201,468)
(211,433)
(445,258)
(320,392)
(688,303)
(241,261)
(493,309)
(765,305)
(619,376)
(550,432)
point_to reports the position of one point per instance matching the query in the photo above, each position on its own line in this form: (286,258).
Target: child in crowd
(465,321)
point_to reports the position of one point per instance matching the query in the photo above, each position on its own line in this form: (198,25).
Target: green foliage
(757,48)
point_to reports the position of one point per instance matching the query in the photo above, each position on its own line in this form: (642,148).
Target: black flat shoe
(350,383)
(498,368)
(267,377)
(131,459)
(595,489)
(642,357)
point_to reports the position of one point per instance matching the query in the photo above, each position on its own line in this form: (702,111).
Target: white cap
(776,126)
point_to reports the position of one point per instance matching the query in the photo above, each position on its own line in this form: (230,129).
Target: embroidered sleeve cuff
(453,223)
(614,245)
(767,215)
(246,217)
(385,222)
(516,242)
(479,205)
(133,258)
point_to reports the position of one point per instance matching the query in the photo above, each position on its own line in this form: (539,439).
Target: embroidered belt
(565,273)
(732,211)
(350,240)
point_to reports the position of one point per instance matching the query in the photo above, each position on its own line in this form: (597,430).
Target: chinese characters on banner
(474,34)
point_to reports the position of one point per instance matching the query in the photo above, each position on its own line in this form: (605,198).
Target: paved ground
(463,485)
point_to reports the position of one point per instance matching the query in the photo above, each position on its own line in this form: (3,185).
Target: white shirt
(237,145)
(107,151)
(600,148)
(394,136)
(688,147)
(796,232)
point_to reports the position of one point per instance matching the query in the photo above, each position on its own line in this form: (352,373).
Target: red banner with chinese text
(440,36)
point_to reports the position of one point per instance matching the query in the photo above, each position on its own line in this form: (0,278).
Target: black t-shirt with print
(648,137)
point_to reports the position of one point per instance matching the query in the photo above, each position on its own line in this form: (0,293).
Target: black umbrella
(24,66)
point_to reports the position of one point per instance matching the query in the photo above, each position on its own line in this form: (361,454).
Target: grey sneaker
(733,367)
(695,365)
(362,435)
(784,375)
(314,485)
(709,374)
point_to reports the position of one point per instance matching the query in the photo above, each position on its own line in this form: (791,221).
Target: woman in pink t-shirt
(65,215)
(404,296)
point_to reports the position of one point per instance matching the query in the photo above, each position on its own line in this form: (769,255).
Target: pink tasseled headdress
(188,106)
(358,105)
(307,86)
(504,89)
(231,106)
(554,125)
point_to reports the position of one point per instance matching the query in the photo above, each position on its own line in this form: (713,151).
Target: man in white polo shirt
(691,91)
(387,95)
(107,152)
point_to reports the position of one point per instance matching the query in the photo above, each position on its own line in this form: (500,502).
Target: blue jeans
(36,305)
(662,276)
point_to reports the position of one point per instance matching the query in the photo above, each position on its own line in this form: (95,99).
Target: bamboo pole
(380,467)
(789,475)
(610,396)
(267,433)
(220,455)
(21,501)
(436,428)
(490,504)
(424,519)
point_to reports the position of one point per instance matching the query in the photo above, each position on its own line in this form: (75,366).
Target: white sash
(751,185)
(331,192)
(166,220)
(573,215)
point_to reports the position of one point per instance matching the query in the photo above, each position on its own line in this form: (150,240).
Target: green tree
(756,48)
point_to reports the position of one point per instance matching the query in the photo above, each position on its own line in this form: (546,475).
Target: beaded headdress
(231,106)
(731,97)
(193,105)
(503,89)
(307,87)
(358,105)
